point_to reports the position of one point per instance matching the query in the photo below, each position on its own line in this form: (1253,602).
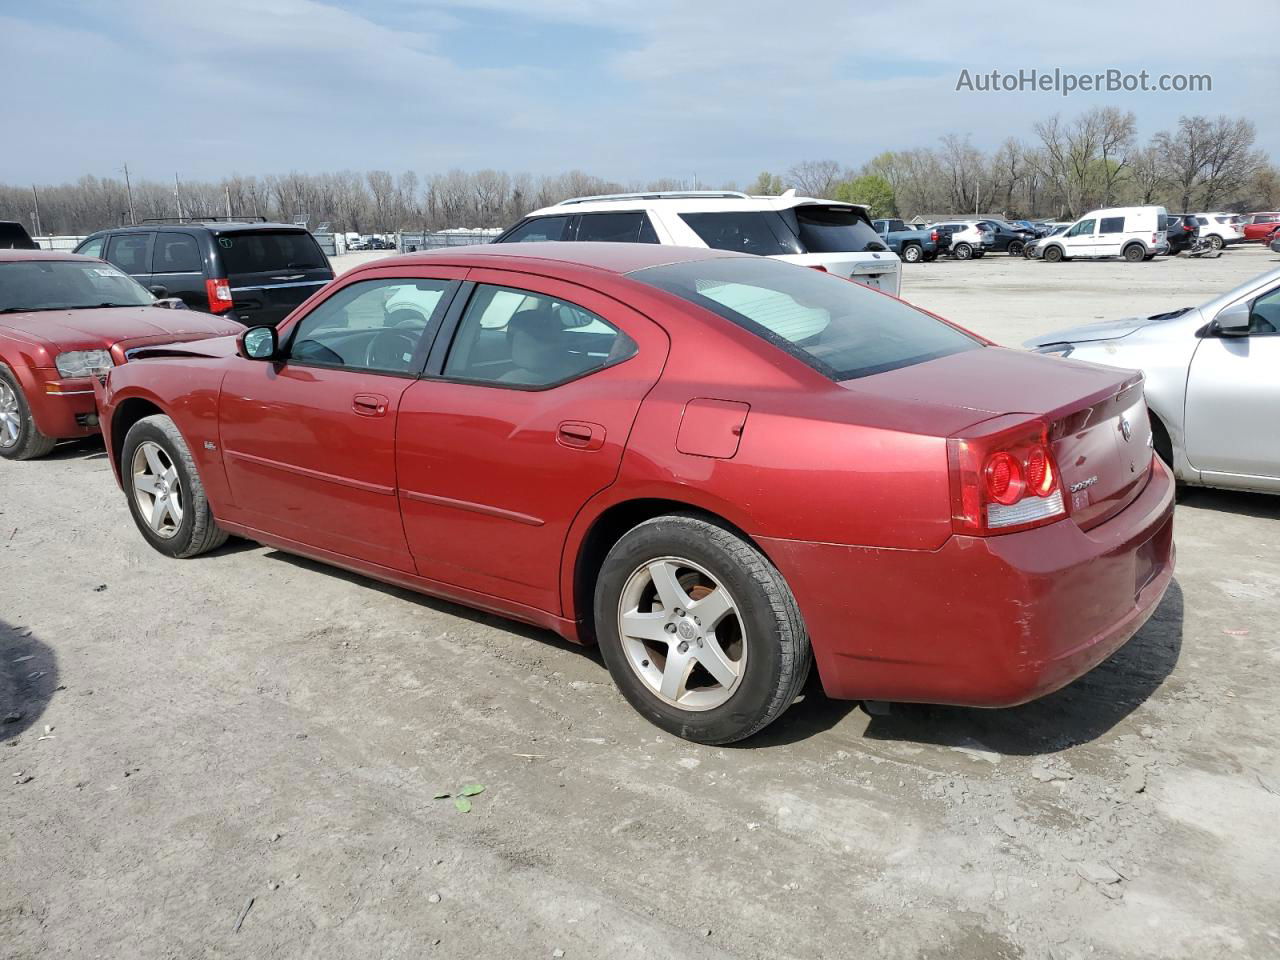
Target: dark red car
(65,319)
(1260,227)
(717,466)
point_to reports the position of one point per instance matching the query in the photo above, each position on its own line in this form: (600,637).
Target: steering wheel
(390,350)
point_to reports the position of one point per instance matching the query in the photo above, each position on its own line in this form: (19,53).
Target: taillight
(219,292)
(1003,478)
(934,236)
(1155,238)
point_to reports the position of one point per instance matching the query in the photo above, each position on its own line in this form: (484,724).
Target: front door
(1233,399)
(1079,241)
(526,419)
(309,442)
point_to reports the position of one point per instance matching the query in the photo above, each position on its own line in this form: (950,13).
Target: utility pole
(129,188)
(226,189)
(177,196)
(35,215)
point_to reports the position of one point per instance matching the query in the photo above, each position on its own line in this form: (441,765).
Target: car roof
(618,258)
(218,226)
(713,202)
(6,255)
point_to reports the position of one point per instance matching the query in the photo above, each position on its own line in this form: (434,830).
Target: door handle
(369,405)
(579,435)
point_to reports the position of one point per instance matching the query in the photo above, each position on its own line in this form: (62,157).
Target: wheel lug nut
(671,628)
(684,646)
(698,621)
(679,612)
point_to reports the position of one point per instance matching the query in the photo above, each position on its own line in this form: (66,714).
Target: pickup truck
(911,245)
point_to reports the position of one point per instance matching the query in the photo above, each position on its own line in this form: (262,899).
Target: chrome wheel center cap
(686,630)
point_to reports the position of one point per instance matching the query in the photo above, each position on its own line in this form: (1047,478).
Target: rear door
(131,252)
(177,265)
(270,271)
(524,421)
(1110,236)
(1233,399)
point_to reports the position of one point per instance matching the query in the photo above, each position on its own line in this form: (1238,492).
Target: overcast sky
(622,89)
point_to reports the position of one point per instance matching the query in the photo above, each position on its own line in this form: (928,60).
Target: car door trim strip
(315,474)
(474,507)
(277,286)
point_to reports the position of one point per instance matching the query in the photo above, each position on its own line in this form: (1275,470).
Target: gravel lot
(254,727)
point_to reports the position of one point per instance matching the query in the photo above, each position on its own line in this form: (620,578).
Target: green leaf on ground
(444,795)
(463,804)
(471,790)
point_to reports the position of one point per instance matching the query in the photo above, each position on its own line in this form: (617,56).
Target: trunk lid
(1099,431)
(270,271)
(880,271)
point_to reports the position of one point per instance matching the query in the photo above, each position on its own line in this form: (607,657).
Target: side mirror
(1233,321)
(258,343)
(159,292)
(171,303)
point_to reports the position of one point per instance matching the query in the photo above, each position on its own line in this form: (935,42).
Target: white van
(1135,233)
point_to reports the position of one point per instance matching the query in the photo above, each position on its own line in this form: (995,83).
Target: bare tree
(815,178)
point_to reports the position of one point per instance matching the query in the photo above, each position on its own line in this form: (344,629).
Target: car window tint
(761,232)
(244,251)
(128,251)
(1264,315)
(374,325)
(832,229)
(841,329)
(1113,225)
(538,229)
(176,253)
(611,227)
(517,338)
(92,248)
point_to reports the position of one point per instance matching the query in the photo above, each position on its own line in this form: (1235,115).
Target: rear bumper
(986,622)
(62,408)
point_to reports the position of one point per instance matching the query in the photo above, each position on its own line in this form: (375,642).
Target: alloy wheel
(157,489)
(682,633)
(10,416)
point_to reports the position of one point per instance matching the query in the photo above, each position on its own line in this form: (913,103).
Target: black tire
(1215,241)
(1052,254)
(775,644)
(962,251)
(911,252)
(198,531)
(1160,441)
(1135,253)
(930,257)
(1015,248)
(1174,253)
(30,443)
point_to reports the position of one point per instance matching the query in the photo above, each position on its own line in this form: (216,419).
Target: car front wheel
(20,438)
(166,498)
(962,251)
(1015,248)
(1215,241)
(1052,254)
(699,630)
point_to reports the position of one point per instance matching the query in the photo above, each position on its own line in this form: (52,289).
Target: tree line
(1068,166)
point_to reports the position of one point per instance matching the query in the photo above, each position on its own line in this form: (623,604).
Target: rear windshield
(762,232)
(261,252)
(841,329)
(833,229)
(66,285)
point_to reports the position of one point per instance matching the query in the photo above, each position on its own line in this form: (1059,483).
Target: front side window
(843,330)
(537,230)
(762,232)
(1264,315)
(130,252)
(1082,229)
(632,227)
(382,326)
(176,253)
(66,285)
(521,339)
(1113,225)
(92,248)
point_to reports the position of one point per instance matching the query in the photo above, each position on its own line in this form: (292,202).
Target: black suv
(251,271)
(1182,231)
(1006,238)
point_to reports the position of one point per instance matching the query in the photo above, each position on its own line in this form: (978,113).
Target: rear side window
(1113,225)
(762,232)
(537,230)
(249,252)
(833,229)
(176,253)
(131,252)
(843,330)
(616,228)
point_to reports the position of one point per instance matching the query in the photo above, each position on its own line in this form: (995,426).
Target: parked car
(1261,227)
(1211,381)
(554,445)
(1181,231)
(964,240)
(831,236)
(1135,233)
(251,272)
(65,319)
(1275,242)
(910,245)
(1006,238)
(14,236)
(1036,228)
(1220,229)
(1032,249)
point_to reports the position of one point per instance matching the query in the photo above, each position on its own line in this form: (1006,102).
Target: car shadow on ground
(28,679)
(1260,506)
(86,448)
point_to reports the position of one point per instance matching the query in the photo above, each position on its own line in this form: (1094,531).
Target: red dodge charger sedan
(65,319)
(719,467)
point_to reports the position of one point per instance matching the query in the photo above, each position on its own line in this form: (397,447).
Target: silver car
(1212,381)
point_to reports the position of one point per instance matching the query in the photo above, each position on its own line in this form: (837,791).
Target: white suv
(1220,229)
(824,234)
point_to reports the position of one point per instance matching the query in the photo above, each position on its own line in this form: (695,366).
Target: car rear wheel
(962,251)
(911,253)
(699,630)
(20,439)
(1135,253)
(1215,241)
(1016,248)
(166,497)
(1053,254)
